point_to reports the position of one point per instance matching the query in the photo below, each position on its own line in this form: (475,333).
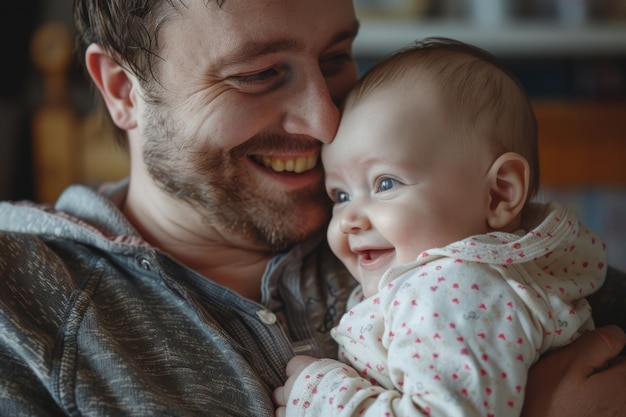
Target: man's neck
(218,256)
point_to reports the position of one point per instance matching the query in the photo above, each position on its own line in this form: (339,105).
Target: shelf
(514,40)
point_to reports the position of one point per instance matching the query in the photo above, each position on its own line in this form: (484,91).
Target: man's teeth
(296,165)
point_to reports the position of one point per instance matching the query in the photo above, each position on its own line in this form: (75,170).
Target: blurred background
(569,54)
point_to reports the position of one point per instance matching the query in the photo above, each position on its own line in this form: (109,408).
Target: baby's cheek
(337,240)
(409,241)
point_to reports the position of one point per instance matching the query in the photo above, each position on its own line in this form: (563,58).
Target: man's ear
(115,85)
(508,178)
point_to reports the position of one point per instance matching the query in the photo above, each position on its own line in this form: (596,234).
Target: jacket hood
(80,214)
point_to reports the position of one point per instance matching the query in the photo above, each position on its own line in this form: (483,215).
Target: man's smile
(290,164)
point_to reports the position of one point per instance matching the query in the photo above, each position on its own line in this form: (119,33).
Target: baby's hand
(294,367)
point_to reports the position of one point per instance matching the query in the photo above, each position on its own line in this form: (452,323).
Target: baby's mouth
(373,254)
(289,164)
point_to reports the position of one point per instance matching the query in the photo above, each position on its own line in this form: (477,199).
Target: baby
(464,281)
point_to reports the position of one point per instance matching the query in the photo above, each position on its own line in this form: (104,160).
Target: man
(182,291)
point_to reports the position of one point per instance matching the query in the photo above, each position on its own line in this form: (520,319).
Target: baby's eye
(342,197)
(385,184)
(339,196)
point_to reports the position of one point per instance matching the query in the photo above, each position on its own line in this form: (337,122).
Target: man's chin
(296,225)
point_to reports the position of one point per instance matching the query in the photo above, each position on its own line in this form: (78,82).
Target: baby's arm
(452,342)
(313,385)
(555,379)
(295,366)
(460,340)
(452,346)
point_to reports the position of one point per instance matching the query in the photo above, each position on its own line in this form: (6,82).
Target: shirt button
(145,264)
(266,316)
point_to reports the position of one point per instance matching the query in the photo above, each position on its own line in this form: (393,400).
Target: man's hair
(481,97)
(128,30)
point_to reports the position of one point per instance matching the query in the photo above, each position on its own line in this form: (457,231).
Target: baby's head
(485,104)
(436,143)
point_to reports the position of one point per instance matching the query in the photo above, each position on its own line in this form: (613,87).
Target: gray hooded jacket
(96,322)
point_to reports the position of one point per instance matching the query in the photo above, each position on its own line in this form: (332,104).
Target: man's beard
(216,184)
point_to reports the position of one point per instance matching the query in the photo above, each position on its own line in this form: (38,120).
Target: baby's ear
(508,177)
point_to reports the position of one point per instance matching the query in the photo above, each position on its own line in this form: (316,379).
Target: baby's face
(399,183)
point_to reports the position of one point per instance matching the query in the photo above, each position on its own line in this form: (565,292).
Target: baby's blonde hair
(484,100)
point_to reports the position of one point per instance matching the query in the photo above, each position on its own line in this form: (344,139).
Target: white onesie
(455,332)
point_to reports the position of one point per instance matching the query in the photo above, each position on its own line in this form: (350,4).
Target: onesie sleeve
(449,342)
(460,341)
(331,388)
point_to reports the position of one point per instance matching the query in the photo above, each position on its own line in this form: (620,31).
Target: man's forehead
(226,19)
(239,31)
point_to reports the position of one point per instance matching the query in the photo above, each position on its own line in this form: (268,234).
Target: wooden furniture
(67,148)
(582,144)
(54,123)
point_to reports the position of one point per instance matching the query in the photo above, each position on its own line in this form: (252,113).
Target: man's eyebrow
(252,50)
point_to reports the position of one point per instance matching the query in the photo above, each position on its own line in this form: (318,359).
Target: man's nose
(312,111)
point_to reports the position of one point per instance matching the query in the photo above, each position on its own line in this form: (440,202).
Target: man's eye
(257,77)
(386,184)
(336,63)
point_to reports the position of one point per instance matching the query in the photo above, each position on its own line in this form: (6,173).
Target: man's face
(249,92)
